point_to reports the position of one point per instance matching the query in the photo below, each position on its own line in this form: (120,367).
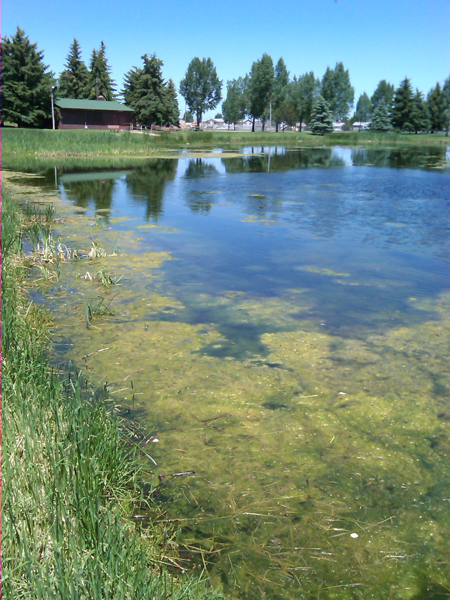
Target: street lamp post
(54,87)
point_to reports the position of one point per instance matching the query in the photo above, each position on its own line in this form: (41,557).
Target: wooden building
(93,114)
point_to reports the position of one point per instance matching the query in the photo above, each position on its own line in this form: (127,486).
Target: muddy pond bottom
(282,326)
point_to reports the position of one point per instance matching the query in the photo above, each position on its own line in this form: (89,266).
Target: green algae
(299,439)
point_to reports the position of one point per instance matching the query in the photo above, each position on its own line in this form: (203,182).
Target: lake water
(283,324)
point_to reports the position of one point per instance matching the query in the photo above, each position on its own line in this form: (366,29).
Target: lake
(282,327)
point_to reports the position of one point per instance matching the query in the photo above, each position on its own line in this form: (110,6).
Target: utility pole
(54,87)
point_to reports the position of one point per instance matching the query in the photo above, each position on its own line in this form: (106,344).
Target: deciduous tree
(260,89)
(383,93)
(321,117)
(302,93)
(337,90)
(201,87)
(235,106)
(73,81)
(26,83)
(446,90)
(363,108)
(279,91)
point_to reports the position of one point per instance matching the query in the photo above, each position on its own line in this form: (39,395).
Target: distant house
(93,114)
(361,125)
(214,124)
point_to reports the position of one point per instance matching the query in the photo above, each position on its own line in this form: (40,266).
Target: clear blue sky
(382,39)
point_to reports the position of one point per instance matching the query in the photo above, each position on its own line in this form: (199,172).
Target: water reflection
(283,161)
(146,185)
(93,190)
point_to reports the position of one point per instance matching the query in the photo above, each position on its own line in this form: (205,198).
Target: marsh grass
(82,143)
(70,470)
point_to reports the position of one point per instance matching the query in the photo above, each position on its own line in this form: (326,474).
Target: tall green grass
(91,143)
(70,479)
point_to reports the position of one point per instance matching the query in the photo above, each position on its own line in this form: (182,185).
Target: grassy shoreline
(71,476)
(90,143)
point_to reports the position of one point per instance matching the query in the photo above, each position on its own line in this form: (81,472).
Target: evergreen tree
(381,121)
(153,101)
(337,90)
(100,82)
(403,106)
(73,81)
(188,117)
(260,89)
(437,109)
(172,109)
(201,87)
(363,108)
(26,83)
(279,90)
(383,93)
(321,117)
(235,105)
(419,116)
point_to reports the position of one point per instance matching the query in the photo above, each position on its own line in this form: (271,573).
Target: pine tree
(419,116)
(26,83)
(381,121)
(321,117)
(279,90)
(403,106)
(172,109)
(100,81)
(154,101)
(73,81)
(337,90)
(437,109)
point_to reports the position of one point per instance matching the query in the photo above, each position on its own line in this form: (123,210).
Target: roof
(92,104)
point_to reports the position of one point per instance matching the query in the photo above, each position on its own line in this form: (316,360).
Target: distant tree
(321,117)
(100,82)
(381,120)
(419,116)
(403,106)
(218,116)
(154,101)
(287,113)
(260,89)
(172,116)
(279,90)
(383,93)
(446,90)
(201,87)
(26,84)
(437,109)
(73,81)
(235,106)
(363,108)
(337,90)
(302,93)
(188,117)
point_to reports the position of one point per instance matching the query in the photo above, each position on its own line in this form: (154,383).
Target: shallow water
(284,325)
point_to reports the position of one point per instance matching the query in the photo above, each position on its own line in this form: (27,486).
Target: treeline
(266,93)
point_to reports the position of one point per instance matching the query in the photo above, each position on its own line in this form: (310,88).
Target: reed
(89,143)
(70,470)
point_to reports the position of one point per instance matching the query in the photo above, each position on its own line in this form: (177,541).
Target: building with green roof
(93,114)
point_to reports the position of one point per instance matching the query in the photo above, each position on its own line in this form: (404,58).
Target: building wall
(94,119)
